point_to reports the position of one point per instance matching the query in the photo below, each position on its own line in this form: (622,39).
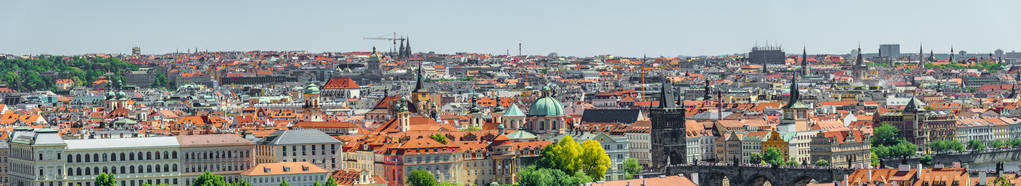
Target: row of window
(128,156)
(131,169)
(217,155)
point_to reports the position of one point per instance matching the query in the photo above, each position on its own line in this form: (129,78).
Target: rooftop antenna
(642,69)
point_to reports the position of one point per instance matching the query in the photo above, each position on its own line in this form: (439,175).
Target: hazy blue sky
(582,28)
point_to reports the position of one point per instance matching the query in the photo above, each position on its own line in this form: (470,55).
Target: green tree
(331,182)
(548,158)
(421,178)
(210,179)
(105,179)
(873,159)
(532,176)
(594,160)
(1016,143)
(773,157)
(317,183)
(445,184)
(976,145)
(568,154)
(997,144)
(439,138)
(632,168)
(885,135)
(755,157)
(926,160)
(822,163)
(284,183)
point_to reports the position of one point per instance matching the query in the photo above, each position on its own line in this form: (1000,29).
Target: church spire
(418,82)
(795,95)
(921,58)
(804,62)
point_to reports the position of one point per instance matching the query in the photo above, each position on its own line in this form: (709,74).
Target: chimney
(982,178)
(847,181)
(919,172)
(694,178)
(869,175)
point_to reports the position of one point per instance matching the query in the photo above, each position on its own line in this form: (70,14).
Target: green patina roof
(546,106)
(513,111)
(311,88)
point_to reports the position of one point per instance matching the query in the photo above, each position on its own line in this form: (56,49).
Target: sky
(569,28)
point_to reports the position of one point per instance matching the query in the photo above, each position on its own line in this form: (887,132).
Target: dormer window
(287,169)
(304,168)
(266,170)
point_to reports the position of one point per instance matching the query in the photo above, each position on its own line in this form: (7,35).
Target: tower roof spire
(418,82)
(795,95)
(665,101)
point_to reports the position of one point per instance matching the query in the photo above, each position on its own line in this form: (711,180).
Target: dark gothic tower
(804,63)
(921,58)
(858,64)
(668,131)
(400,51)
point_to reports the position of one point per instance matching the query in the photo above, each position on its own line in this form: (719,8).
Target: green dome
(311,89)
(546,106)
(121,94)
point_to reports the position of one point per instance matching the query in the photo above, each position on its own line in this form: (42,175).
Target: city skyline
(567,28)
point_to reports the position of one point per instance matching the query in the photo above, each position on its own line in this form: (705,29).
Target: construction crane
(394,39)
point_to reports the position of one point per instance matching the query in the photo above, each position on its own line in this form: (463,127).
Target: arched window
(148,155)
(175,168)
(122,157)
(95,157)
(70,172)
(104,157)
(148,168)
(166,168)
(88,171)
(95,170)
(131,169)
(158,168)
(140,157)
(122,169)
(166,155)
(175,154)
(555,126)
(70,158)
(88,158)
(78,158)
(157,154)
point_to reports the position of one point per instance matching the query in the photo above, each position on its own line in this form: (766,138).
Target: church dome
(311,89)
(546,106)
(110,94)
(121,94)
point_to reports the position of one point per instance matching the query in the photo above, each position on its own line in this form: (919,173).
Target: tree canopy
(976,145)
(421,178)
(532,176)
(568,156)
(887,142)
(105,179)
(210,179)
(29,74)
(632,168)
